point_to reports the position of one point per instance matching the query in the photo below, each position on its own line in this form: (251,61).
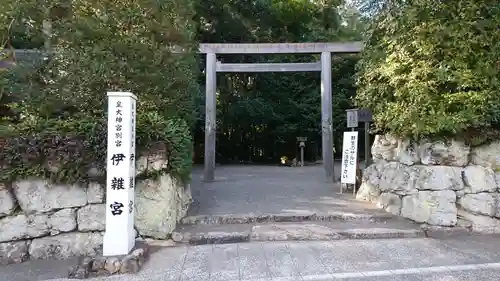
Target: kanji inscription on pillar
(119,237)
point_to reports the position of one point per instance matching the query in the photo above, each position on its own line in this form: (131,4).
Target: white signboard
(349,157)
(352,118)
(119,237)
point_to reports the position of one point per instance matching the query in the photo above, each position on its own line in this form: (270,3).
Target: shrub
(431,68)
(100,46)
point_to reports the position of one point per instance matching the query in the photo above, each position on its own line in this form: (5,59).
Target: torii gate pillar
(326,115)
(210,118)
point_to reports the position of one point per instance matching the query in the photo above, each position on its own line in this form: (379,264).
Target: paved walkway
(474,258)
(261,190)
(264,190)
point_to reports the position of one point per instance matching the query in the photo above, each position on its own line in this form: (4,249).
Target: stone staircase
(221,229)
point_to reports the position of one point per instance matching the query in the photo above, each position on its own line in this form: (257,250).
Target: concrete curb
(294,227)
(443,232)
(250,218)
(217,238)
(382,233)
(249,236)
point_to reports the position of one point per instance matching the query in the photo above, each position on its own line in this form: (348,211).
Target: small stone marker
(349,158)
(302,144)
(119,238)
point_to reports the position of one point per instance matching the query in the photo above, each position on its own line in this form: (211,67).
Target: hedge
(56,124)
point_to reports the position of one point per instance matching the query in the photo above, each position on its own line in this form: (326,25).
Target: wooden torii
(213,66)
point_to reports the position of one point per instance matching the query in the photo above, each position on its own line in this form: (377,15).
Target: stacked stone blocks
(43,220)
(441,183)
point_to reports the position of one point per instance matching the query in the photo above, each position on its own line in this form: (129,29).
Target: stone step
(285,217)
(296,231)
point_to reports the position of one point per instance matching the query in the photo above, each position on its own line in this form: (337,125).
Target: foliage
(369,8)
(431,68)
(260,114)
(19,24)
(67,149)
(101,46)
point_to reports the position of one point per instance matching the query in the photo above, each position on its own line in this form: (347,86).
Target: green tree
(21,23)
(430,68)
(101,46)
(260,115)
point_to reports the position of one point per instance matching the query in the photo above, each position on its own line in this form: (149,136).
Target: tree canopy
(431,68)
(56,126)
(261,114)
(97,46)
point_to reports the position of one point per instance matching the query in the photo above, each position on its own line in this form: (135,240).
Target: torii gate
(213,66)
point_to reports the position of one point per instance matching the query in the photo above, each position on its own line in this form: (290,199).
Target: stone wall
(40,220)
(435,183)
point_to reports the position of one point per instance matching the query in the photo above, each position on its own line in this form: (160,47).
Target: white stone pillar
(210,116)
(326,114)
(119,237)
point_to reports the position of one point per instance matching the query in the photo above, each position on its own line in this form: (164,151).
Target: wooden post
(367,144)
(210,116)
(357,167)
(326,115)
(47,34)
(302,156)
